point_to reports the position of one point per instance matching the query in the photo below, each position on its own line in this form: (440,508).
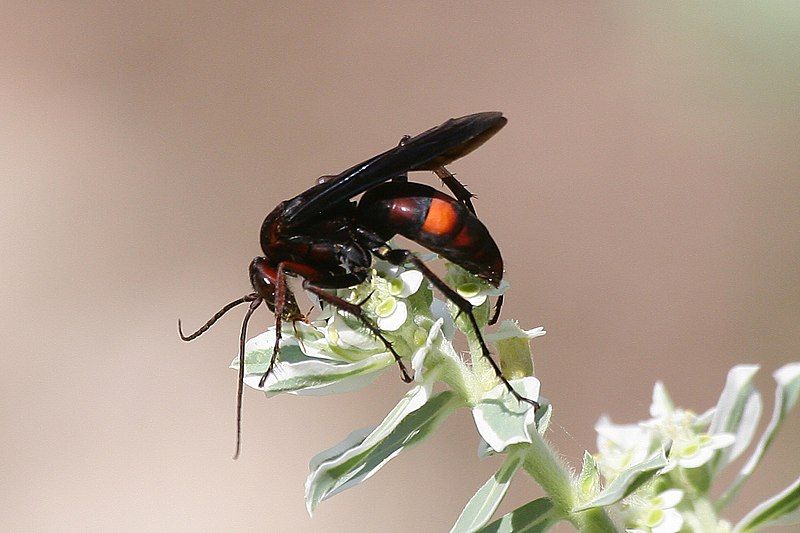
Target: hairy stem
(550,471)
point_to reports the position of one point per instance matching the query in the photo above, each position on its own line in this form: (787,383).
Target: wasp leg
(400,257)
(280,305)
(448,178)
(356,311)
(498,305)
(456,187)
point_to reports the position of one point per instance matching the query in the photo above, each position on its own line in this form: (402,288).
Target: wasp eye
(261,276)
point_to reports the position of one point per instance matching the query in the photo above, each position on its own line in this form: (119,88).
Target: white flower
(390,307)
(620,446)
(697,450)
(405,283)
(392,313)
(476,293)
(658,514)
(471,288)
(691,448)
(308,364)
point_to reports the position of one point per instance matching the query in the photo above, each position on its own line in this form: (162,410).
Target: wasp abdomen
(436,221)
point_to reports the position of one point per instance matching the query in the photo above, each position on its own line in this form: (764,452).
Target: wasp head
(264,278)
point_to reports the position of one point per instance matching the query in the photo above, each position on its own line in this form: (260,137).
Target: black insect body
(329,240)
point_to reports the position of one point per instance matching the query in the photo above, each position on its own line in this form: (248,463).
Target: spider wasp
(328,239)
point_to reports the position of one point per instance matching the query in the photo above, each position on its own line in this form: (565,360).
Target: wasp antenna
(240,389)
(217,316)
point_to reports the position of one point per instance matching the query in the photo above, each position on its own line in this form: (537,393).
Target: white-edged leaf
(298,373)
(543,416)
(501,419)
(484,502)
(736,412)
(628,481)
(787,392)
(484,450)
(781,509)
(349,463)
(314,376)
(537,516)
(351,441)
(746,430)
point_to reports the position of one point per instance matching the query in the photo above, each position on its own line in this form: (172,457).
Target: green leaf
(537,516)
(738,411)
(589,480)
(787,393)
(364,453)
(781,509)
(483,504)
(628,481)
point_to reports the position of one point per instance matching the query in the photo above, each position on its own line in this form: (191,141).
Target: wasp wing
(429,150)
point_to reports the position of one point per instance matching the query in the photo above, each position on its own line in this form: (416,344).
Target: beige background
(645,194)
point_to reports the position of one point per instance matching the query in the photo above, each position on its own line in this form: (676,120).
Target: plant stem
(705,513)
(549,470)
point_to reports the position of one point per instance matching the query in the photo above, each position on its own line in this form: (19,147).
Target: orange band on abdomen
(442,218)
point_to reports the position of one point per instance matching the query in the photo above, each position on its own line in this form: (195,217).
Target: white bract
(501,419)
(619,446)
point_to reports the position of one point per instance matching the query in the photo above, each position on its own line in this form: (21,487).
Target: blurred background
(645,194)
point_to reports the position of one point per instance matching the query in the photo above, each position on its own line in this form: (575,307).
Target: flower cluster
(690,450)
(336,353)
(652,476)
(684,434)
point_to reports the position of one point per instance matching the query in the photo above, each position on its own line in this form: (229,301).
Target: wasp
(329,239)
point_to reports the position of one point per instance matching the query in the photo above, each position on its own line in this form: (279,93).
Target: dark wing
(427,151)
